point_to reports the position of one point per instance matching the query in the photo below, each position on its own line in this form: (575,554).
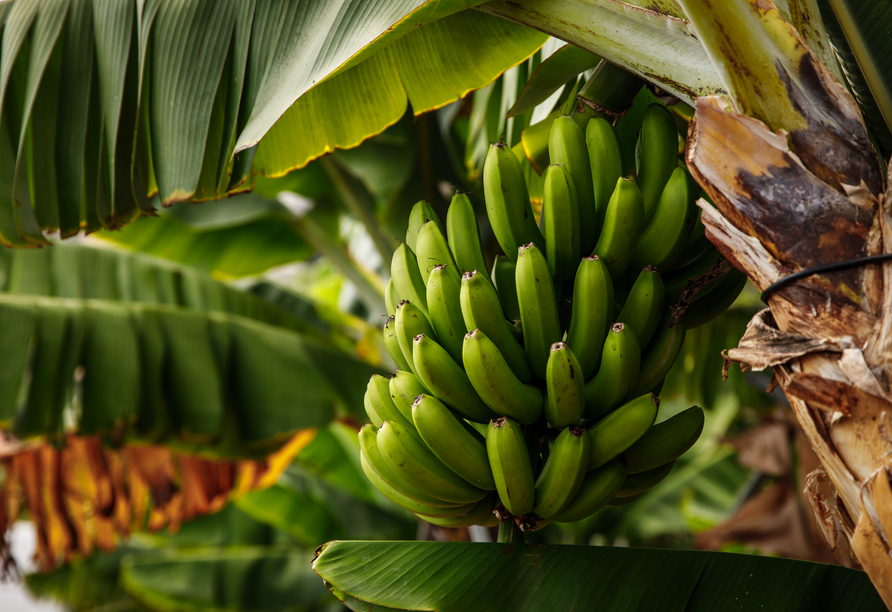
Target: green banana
(431,250)
(598,488)
(368,444)
(676,281)
(444,304)
(447,381)
(617,502)
(504,282)
(481,514)
(716,302)
(622,227)
(378,396)
(559,222)
(390,300)
(606,163)
(619,430)
(421,213)
(496,384)
(696,245)
(645,305)
(658,357)
(480,309)
(404,388)
(643,481)
(620,364)
(392,344)
(410,322)
(662,242)
(407,281)
(565,400)
(592,313)
(563,473)
(511,466)
(507,201)
(538,307)
(658,143)
(665,442)
(411,459)
(566,146)
(444,433)
(463,235)
(400,499)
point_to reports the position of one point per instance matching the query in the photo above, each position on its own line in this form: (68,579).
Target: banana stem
(510,533)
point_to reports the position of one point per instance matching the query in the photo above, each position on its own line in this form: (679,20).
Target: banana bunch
(531,393)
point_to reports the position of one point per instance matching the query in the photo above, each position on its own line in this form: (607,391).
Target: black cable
(831,267)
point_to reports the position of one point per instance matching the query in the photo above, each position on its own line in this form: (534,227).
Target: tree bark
(787,201)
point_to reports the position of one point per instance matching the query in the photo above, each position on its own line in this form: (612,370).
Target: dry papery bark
(84,495)
(785,202)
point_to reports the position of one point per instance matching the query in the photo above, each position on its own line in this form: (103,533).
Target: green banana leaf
(566,63)
(107,342)
(446,576)
(109,103)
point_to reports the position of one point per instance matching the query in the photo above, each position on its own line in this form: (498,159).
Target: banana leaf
(447,576)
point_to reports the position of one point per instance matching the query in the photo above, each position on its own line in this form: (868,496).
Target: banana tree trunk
(807,191)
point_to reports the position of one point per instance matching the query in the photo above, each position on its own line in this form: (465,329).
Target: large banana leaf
(447,576)
(109,342)
(103,104)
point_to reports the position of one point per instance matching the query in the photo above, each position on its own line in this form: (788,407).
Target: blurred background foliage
(313,247)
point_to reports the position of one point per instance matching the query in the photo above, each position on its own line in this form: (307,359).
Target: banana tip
(558,346)
(617,327)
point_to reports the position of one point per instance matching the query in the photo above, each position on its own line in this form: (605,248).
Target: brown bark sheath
(827,338)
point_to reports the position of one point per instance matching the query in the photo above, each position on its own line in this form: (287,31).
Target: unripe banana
(618,502)
(592,313)
(421,213)
(432,250)
(665,442)
(676,282)
(444,433)
(394,495)
(447,381)
(559,222)
(390,300)
(411,459)
(662,241)
(392,344)
(563,473)
(606,163)
(643,481)
(511,466)
(538,307)
(645,305)
(620,429)
(410,322)
(598,488)
(507,201)
(620,364)
(504,282)
(407,281)
(378,394)
(481,514)
(659,156)
(566,146)
(658,357)
(480,309)
(404,388)
(368,444)
(463,235)
(622,227)
(565,400)
(697,244)
(496,384)
(716,302)
(444,304)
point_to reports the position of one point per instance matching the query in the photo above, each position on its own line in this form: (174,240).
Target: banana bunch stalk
(529,391)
